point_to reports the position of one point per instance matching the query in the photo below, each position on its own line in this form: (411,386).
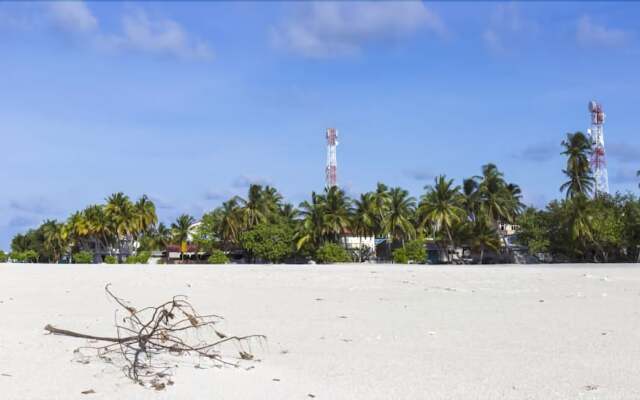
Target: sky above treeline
(191,102)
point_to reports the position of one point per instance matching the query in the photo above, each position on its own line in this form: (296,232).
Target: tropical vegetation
(468,221)
(218,257)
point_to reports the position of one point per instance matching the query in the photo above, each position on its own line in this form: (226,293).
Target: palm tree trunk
(451,243)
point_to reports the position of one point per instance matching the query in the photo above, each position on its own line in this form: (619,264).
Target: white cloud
(161,36)
(329,29)
(506,26)
(72,16)
(589,33)
(139,32)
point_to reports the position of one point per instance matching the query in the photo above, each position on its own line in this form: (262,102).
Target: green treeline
(582,226)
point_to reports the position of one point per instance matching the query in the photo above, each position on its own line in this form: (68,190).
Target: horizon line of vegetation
(583,226)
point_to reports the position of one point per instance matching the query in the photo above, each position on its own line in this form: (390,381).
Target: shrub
(83,257)
(330,253)
(416,251)
(271,243)
(3,257)
(400,256)
(16,256)
(110,260)
(30,256)
(143,257)
(218,257)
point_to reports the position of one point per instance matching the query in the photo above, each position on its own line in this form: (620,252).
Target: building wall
(355,242)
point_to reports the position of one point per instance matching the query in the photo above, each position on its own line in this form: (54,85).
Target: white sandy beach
(342,332)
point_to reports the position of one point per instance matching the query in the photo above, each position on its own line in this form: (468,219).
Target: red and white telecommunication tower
(331,171)
(598,159)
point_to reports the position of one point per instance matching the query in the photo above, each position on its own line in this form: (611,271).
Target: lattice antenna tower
(331,172)
(598,158)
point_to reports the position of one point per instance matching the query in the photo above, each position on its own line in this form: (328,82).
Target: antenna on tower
(598,159)
(331,172)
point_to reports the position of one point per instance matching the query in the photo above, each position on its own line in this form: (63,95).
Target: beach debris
(276,379)
(590,388)
(150,340)
(342,316)
(319,299)
(540,301)
(90,391)
(311,395)
(7,375)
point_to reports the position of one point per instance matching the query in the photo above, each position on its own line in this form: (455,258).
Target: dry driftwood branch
(148,340)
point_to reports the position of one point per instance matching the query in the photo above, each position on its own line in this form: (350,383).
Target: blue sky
(191,102)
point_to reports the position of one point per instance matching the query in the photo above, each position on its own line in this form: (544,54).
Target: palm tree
(363,220)
(121,213)
(579,220)
(441,208)
(577,148)
(381,204)
(77,229)
(336,212)
(145,214)
(500,202)
(230,222)
(272,200)
(495,198)
(254,209)
(400,215)
(312,229)
(180,229)
(577,184)
(161,236)
(484,236)
(638,175)
(289,214)
(54,239)
(471,198)
(99,227)
(516,205)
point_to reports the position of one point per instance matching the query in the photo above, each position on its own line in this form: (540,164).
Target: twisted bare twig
(170,329)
